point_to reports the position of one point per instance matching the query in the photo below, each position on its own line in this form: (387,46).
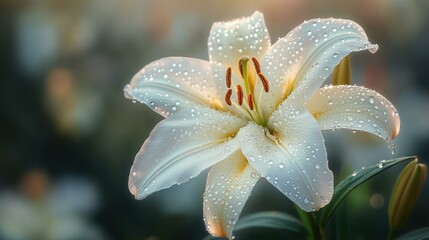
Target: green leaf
(271,220)
(353,181)
(275,220)
(419,234)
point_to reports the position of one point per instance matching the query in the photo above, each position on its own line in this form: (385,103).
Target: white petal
(182,146)
(356,108)
(229,41)
(175,83)
(229,185)
(306,57)
(292,156)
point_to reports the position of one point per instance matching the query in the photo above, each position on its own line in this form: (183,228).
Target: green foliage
(353,181)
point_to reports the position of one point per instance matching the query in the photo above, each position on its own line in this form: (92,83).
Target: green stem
(310,223)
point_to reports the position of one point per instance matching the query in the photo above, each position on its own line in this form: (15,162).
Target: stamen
(240,95)
(240,67)
(250,101)
(228,97)
(257,66)
(264,81)
(228,77)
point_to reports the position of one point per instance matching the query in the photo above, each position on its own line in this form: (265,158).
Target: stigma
(247,89)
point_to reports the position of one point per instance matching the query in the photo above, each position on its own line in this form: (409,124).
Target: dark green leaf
(271,220)
(419,234)
(275,220)
(353,181)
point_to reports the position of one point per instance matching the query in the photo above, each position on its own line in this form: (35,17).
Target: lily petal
(306,57)
(229,41)
(229,185)
(355,108)
(182,146)
(172,84)
(291,156)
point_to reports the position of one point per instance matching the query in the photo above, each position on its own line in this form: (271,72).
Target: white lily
(254,110)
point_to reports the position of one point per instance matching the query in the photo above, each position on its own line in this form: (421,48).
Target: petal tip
(372,48)
(128,92)
(134,190)
(396,129)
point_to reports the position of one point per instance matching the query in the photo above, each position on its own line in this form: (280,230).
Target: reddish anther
(228,77)
(228,97)
(264,82)
(240,67)
(250,101)
(240,95)
(256,64)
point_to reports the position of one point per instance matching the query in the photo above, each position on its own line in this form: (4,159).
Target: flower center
(248,99)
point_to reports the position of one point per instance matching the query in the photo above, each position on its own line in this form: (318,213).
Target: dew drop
(281,165)
(354,173)
(371,100)
(309,33)
(317,166)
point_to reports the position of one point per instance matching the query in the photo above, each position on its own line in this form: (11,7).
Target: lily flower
(253,111)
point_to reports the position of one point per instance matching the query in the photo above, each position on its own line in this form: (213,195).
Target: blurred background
(68,136)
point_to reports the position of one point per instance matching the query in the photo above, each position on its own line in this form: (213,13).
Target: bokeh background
(68,136)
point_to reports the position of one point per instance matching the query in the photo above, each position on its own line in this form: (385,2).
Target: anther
(264,82)
(256,64)
(250,101)
(228,97)
(240,67)
(228,77)
(243,60)
(240,95)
